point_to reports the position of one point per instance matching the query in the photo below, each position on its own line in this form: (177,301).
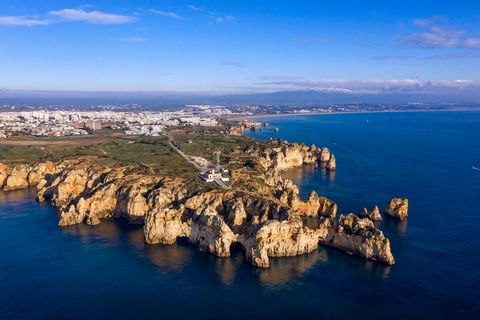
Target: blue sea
(108,272)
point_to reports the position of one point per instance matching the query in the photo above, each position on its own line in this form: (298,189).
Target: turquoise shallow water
(107,271)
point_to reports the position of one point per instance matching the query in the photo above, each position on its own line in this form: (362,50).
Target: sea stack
(397,208)
(332,163)
(355,235)
(325,154)
(373,215)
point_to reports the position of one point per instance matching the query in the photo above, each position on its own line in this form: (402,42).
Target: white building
(212,175)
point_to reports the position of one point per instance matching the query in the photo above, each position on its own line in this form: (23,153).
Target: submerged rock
(397,208)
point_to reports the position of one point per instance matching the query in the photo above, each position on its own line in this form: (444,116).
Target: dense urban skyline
(225,47)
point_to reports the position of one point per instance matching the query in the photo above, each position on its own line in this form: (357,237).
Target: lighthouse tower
(217,165)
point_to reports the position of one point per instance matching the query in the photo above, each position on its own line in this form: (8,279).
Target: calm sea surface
(106,271)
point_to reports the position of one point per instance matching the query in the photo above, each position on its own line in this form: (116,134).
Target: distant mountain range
(172,99)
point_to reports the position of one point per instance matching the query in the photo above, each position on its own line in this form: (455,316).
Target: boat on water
(475,168)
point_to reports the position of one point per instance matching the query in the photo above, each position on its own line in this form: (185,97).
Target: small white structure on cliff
(212,175)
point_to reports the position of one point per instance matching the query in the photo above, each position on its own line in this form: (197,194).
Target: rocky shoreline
(267,221)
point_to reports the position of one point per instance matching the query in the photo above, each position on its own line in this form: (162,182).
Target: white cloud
(438,36)
(22,21)
(232,63)
(423,22)
(167,14)
(134,39)
(222,19)
(391,57)
(453,56)
(194,8)
(92,17)
(370,86)
(472,42)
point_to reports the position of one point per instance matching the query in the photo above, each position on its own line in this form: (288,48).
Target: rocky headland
(266,217)
(282,155)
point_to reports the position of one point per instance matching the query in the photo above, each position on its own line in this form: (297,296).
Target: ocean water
(106,271)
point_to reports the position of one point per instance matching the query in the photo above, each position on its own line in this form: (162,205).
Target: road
(219,182)
(183,155)
(222,184)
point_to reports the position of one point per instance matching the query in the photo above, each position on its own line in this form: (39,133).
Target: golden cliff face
(267,224)
(4,173)
(397,208)
(358,236)
(282,156)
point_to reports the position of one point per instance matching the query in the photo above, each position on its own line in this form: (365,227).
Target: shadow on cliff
(119,232)
(176,257)
(301,176)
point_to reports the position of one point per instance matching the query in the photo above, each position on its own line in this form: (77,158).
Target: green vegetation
(20,154)
(152,153)
(203,142)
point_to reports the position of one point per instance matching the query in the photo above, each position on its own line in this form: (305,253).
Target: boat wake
(475,168)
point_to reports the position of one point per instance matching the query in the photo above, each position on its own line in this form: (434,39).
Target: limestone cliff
(313,206)
(283,156)
(268,224)
(18,178)
(4,173)
(359,236)
(23,175)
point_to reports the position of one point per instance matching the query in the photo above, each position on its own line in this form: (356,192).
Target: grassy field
(153,153)
(203,142)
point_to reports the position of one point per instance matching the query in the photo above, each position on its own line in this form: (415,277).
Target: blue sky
(239,46)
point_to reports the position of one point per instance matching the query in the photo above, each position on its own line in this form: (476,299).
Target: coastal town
(62,120)
(45,123)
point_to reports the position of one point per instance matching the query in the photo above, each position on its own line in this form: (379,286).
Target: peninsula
(155,181)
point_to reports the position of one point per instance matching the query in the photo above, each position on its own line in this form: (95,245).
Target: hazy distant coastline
(275,115)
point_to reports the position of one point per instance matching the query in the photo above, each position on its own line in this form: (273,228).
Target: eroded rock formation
(17,179)
(358,236)
(397,208)
(283,156)
(4,173)
(269,224)
(373,214)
